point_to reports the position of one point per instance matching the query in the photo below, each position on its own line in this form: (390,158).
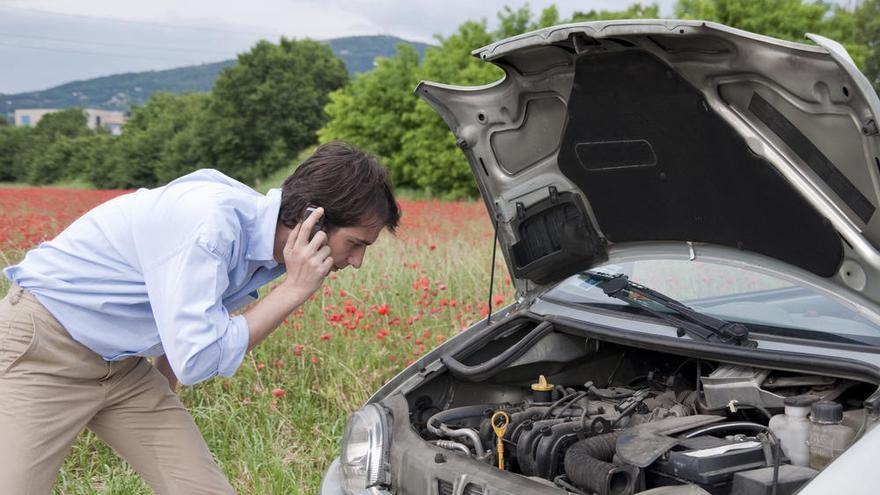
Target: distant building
(108,119)
(95,118)
(30,116)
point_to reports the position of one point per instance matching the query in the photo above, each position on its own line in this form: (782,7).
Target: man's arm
(199,336)
(307,264)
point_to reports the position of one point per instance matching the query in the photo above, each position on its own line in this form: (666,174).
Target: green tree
(786,19)
(634,11)
(93,157)
(14,145)
(367,113)
(3,121)
(49,145)
(268,106)
(867,32)
(70,122)
(161,141)
(429,153)
(51,163)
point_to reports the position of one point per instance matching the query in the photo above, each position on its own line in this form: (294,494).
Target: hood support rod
(492,270)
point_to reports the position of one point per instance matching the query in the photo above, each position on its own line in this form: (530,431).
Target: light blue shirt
(159,270)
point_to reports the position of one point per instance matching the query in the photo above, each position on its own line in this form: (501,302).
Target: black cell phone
(319,225)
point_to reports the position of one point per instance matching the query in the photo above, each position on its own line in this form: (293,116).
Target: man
(157,273)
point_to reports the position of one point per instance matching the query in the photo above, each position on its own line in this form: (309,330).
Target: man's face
(349,244)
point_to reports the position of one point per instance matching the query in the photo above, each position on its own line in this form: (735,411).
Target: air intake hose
(587,464)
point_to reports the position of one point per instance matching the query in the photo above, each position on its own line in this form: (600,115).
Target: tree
(367,113)
(14,144)
(3,121)
(867,28)
(70,122)
(634,11)
(513,22)
(93,157)
(161,141)
(429,153)
(49,145)
(786,19)
(268,106)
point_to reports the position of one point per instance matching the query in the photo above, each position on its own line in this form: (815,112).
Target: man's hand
(307,263)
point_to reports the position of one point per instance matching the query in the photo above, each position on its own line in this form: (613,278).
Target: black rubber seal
(812,156)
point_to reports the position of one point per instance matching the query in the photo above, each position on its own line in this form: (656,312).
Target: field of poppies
(275,425)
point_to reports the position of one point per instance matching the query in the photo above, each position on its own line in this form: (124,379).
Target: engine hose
(437,423)
(450,445)
(481,372)
(587,464)
(461,413)
(465,433)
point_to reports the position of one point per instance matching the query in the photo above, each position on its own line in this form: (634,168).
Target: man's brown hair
(350,184)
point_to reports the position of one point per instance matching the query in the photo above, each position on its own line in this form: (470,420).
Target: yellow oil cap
(542,385)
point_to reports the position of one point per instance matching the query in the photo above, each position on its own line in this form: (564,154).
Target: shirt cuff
(234,346)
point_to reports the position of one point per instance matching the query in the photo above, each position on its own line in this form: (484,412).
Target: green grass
(284,446)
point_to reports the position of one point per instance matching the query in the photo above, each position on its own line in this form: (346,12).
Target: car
(688,215)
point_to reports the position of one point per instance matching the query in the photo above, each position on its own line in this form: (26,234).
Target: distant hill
(120,91)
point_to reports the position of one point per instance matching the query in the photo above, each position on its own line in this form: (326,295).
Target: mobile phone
(319,225)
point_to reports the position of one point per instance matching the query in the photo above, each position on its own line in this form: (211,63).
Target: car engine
(591,417)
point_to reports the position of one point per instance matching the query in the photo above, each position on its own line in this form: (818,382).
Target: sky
(44,43)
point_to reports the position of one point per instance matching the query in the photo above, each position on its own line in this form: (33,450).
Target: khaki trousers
(51,387)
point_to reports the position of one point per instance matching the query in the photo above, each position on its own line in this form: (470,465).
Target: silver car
(688,212)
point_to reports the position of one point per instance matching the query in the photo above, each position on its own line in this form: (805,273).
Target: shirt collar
(261,244)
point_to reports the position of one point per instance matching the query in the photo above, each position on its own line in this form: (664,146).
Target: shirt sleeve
(200,339)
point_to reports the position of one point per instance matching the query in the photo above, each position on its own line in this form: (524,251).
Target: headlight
(364,448)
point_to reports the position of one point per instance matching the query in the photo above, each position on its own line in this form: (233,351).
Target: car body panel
(790,125)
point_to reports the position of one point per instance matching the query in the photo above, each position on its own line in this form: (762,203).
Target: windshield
(768,304)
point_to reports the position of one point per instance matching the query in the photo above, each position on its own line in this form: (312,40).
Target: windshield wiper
(685,319)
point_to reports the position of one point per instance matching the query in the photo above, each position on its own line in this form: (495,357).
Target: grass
(433,277)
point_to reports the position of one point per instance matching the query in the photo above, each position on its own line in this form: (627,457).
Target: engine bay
(592,417)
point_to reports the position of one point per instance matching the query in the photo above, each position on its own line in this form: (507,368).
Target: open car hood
(616,132)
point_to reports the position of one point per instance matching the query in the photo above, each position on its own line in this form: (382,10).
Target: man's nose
(356,258)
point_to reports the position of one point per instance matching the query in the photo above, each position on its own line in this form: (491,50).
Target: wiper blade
(685,319)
